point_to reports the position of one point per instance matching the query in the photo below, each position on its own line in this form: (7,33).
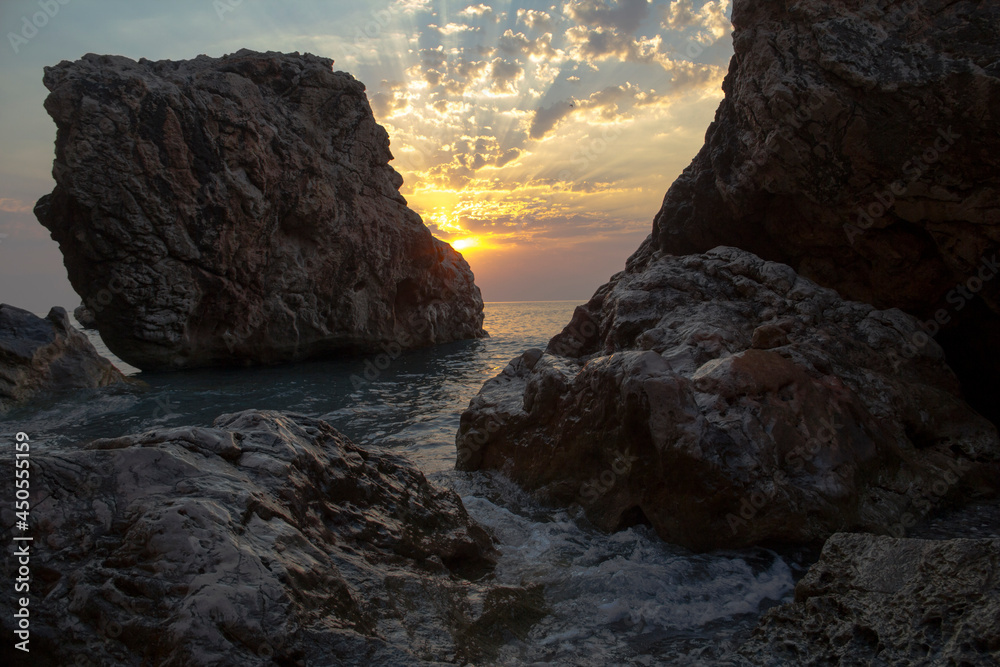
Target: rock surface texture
(884,601)
(241,210)
(727,401)
(46,355)
(268,538)
(858,142)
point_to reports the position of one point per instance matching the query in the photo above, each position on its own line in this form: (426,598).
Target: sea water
(626,598)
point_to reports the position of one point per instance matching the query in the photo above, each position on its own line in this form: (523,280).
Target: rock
(46,355)
(727,401)
(85,316)
(265,538)
(241,210)
(858,143)
(885,601)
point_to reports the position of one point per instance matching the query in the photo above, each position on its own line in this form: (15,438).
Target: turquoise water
(623,599)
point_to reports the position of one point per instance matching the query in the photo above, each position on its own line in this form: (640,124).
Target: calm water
(623,599)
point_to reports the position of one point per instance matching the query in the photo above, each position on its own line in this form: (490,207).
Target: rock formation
(266,538)
(46,355)
(884,601)
(241,210)
(727,401)
(857,143)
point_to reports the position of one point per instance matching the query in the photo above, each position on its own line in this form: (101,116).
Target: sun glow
(466,243)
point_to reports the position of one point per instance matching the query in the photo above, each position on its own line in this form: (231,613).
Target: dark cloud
(546,118)
(504,76)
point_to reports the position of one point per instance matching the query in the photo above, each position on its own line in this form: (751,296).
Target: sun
(465,244)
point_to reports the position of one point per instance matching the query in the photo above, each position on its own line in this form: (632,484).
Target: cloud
(475,11)
(709,24)
(507,157)
(596,44)
(410,6)
(15,206)
(505,76)
(546,118)
(454,28)
(519,44)
(535,19)
(622,16)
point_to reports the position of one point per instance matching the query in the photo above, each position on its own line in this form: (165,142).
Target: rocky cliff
(264,539)
(241,210)
(46,355)
(858,143)
(723,395)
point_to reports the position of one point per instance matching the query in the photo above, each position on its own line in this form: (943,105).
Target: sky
(537,137)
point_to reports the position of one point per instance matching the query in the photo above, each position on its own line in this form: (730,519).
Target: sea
(626,598)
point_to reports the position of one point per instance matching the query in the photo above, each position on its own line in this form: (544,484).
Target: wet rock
(241,210)
(883,601)
(46,355)
(727,401)
(857,143)
(267,537)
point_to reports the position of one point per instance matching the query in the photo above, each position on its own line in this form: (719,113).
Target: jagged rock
(727,401)
(884,601)
(46,355)
(266,538)
(858,143)
(241,210)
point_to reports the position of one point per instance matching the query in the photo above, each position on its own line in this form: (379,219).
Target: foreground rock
(241,210)
(727,401)
(46,355)
(267,536)
(883,601)
(857,144)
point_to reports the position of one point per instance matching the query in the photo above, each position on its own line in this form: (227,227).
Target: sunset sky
(537,137)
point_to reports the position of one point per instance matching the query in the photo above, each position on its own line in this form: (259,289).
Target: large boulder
(241,210)
(883,601)
(46,355)
(267,538)
(727,401)
(858,143)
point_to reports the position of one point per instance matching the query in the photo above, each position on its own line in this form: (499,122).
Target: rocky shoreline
(770,368)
